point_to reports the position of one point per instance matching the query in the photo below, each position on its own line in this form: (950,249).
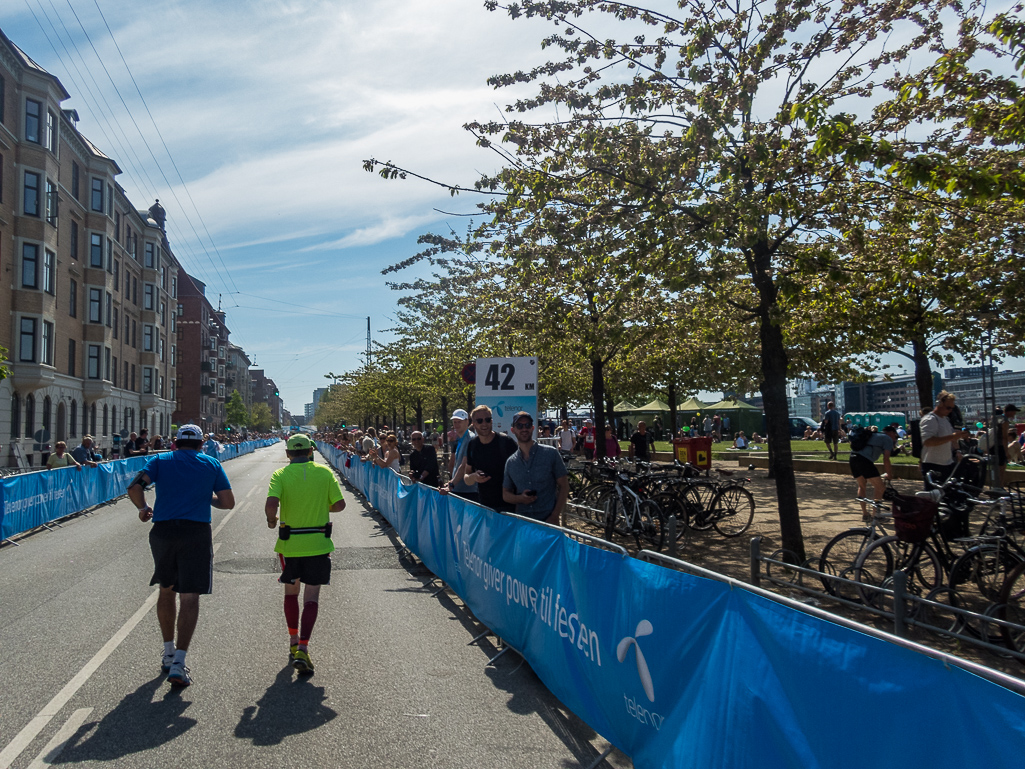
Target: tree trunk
(598,400)
(444,419)
(777,412)
(923,374)
(610,417)
(671,394)
(564,412)
(419,415)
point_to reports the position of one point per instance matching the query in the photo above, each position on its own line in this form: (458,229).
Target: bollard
(756,575)
(671,535)
(900,585)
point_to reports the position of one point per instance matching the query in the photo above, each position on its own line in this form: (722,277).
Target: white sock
(179,655)
(168,648)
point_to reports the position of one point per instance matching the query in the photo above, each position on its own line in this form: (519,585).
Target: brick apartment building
(88,279)
(202,375)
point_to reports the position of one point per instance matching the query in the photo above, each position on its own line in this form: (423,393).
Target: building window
(174,355)
(160,348)
(96,201)
(147,338)
(27,345)
(33,115)
(51,203)
(71,363)
(163,314)
(94,361)
(110,255)
(49,272)
(113,370)
(135,341)
(15,416)
(117,274)
(74,241)
(30,415)
(147,379)
(110,200)
(51,131)
(75,181)
(135,292)
(128,328)
(148,297)
(95,305)
(30,265)
(109,313)
(106,364)
(46,353)
(73,418)
(174,288)
(149,260)
(96,250)
(31,197)
(73,299)
(115,325)
(125,376)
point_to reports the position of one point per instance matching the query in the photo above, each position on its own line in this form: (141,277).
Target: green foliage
(235,412)
(261,419)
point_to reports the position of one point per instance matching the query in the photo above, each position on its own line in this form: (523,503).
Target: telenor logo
(643,628)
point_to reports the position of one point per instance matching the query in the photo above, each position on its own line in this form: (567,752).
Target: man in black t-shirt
(639,443)
(485,461)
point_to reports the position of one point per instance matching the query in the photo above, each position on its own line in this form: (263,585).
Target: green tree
(261,419)
(235,411)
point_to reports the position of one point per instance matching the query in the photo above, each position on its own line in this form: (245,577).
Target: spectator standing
(717,427)
(84,454)
(1004,441)
(188,484)
(61,458)
(535,476)
(461,424)
(128,447)
(142,442)
(612,449)
(939,439)
(831,429)
(706,426)
(863,467)
(211,447)
(566,436)
(486,455)
(305,492)
(423,461)
(587,433)
(369,440)
(641,443)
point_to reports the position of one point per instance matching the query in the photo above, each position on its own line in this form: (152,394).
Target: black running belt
(285,531)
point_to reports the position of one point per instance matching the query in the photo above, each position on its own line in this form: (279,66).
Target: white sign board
(507,385)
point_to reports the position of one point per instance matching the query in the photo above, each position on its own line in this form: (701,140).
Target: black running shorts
(863,467)
(183,556)
(308,569)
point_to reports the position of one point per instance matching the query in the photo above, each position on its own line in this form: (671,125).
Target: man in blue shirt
(535,476)
(863,466)
(188,484)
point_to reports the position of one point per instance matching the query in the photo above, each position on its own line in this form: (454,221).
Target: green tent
(692,404)
(652,407)
(743,416)
(624,406)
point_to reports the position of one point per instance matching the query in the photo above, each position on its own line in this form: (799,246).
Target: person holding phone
(535,476)
(484,465)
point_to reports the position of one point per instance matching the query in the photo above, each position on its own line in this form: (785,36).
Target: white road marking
(32,729)
(36,725)
(56,746)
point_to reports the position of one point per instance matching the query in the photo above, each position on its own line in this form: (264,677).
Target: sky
(250,121)
(251,128)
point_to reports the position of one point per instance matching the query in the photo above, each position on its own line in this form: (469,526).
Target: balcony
(150,401)
(95,389)
(206,390)
(27,377)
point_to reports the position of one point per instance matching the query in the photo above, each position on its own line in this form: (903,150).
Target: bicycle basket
(913,517)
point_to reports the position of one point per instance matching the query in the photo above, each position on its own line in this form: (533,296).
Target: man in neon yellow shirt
(306,492)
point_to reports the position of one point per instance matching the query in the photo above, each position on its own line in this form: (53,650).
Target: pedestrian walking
(304,492)
(188,484)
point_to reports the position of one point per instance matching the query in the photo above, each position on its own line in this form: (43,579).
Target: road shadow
(137,724)
(289,706)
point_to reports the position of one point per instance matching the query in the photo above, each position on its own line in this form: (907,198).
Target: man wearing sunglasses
(535,476)
(423,461)
(484,466)
(939,439)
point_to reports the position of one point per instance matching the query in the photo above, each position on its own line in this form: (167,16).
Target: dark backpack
(916,438)
(859,437)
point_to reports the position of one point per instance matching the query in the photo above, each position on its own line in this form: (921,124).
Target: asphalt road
(396,684)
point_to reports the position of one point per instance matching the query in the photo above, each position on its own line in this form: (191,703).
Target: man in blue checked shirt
(535,476)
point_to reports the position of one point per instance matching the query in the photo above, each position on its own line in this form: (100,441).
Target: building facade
(202,385)
(88,279)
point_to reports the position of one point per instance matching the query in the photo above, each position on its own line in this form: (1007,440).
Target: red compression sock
(292,614)
(310,609)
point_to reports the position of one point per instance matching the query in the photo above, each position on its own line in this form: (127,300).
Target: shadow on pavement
(137,724)
(287,707)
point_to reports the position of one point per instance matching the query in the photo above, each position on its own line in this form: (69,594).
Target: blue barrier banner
(677,670)
(32,499)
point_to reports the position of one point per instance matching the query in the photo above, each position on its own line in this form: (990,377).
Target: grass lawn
(800,448)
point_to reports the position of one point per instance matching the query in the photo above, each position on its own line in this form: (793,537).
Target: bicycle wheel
(977,577)
(941,618)
(1011,607)
(649,526)
(839,556)
(697,499)
(733,511)
(670,505)
(615,518)
(875,568)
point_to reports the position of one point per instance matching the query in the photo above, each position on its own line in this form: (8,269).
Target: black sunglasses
(523,425)
(482,421)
